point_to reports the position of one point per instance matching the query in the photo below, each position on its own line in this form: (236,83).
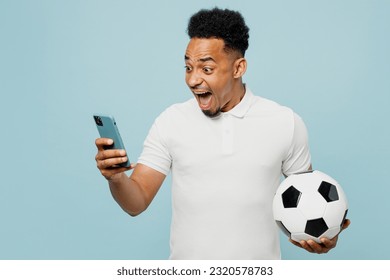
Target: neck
(237,95)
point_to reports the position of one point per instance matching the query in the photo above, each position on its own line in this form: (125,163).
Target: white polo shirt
(225,171)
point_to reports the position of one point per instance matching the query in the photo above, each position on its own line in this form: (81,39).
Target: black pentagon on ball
(291,197)
(316,227)
(328,191)
(283,228)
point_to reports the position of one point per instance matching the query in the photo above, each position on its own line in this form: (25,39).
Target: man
(226,149)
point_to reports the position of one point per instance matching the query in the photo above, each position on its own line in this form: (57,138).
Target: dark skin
(209,68)
(214,75)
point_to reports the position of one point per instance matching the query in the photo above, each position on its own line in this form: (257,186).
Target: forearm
(128,194)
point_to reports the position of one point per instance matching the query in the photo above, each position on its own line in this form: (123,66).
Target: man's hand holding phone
(109,160)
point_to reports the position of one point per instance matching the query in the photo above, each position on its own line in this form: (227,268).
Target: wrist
(116,179)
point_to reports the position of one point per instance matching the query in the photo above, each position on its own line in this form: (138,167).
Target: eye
(207,70)
(188,68)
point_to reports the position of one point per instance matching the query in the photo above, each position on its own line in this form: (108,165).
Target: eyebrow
(203,59)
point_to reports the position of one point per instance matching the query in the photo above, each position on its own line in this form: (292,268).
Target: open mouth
(204,99)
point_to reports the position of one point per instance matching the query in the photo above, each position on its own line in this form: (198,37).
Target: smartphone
(107,128)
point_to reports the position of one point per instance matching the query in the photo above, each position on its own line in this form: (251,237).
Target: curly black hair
(224,24)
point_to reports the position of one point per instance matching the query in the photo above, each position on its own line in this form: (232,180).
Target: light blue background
(62,61)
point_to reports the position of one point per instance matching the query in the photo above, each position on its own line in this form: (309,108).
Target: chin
(212,114)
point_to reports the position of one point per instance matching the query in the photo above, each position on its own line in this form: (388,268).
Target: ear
(239,67)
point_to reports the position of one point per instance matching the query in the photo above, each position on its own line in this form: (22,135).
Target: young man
(226,149)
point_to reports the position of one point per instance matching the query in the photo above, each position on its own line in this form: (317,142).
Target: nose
(193,79)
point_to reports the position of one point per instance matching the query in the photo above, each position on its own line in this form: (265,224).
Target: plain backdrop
(62,61)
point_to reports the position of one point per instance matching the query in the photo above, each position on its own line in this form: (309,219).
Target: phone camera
(98,120)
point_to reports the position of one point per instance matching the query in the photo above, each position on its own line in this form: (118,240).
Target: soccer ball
(310,205)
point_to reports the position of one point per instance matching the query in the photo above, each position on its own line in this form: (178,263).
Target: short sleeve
(155,153)
(298,158)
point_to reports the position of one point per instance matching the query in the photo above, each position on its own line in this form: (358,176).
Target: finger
(132,165)
(295,243)
(316,247)
(329,243)
(346,224)
(108,154)
(110,162)
(102,142)
(110,173)
(306,246)
(112,153)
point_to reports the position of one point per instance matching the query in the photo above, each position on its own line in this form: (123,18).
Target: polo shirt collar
(242,108)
